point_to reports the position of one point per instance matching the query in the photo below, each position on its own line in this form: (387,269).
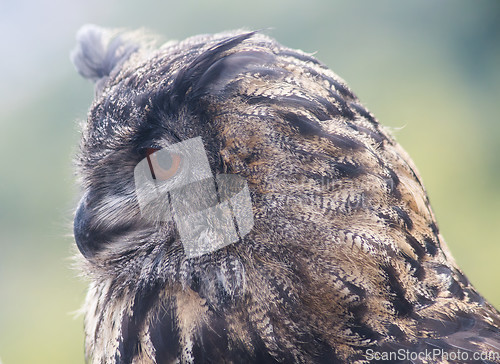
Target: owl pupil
(164,160)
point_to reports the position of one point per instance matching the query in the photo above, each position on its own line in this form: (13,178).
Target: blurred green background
(430,69)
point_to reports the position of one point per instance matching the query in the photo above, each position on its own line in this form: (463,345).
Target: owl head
(243,180)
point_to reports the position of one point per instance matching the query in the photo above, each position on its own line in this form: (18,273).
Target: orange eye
(163,164)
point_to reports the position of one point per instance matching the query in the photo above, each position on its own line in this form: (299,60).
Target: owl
(240,205)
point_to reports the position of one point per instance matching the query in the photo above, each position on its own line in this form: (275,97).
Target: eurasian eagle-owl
(343,260)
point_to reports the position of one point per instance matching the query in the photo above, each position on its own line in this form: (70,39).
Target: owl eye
(163,164)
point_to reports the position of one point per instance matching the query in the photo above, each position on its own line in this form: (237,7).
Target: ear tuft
(99,51)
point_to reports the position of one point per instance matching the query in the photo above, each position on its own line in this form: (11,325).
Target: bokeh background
(429,69)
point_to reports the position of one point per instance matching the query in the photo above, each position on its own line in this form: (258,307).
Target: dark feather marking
(329,107)
(403,215)
(418,270)
(417,247)
(377,137)
(398,299)
(388,220)
(364,113)
(305,125)
(128,346)
(319,106)
(462,278)
(187,77)
(340,170)
(337,86)
(430,246)
(260,353)
(471,292)
(396,332)
(293,102)
(355,322)
(340,88)
(309,127)
(323,353)
(224,70)
(456,290)
(394,177)
(152,125)
(474,296)
(446,326)
(424,301)
(358,309)
(110,294)
(252,157)
(146,296)
(435,229)
(343,141)
(164,334)
(357,290)
(393,183)
(349,170)
(488,331)
(211,346)
(195,281)
(344,109)
(362,330)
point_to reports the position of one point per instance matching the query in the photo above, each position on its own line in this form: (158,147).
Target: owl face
(145,145)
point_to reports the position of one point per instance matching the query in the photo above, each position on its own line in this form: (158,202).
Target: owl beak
(84,236)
